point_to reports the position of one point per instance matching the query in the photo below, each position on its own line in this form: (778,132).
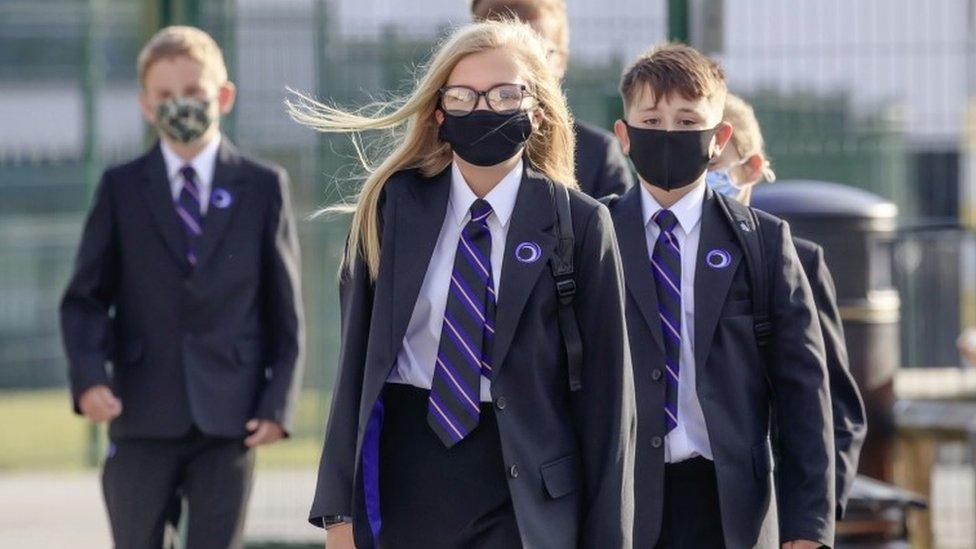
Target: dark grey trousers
(145,481)
(692,518)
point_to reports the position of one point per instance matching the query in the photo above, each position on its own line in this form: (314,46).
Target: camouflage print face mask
(184,119)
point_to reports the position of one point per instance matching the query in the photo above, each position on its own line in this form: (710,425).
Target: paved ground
(53,510)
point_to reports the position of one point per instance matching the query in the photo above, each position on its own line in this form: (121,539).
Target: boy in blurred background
(187,282)
(601,168)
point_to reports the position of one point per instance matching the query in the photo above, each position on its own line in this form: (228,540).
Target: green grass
(40,432)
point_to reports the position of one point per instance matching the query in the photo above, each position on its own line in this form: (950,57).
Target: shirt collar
(688,210)
(501,197)
(203,163)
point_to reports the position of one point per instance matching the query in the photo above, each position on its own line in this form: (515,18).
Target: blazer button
(513,471)
(500,403)
(656,442)
(656,374)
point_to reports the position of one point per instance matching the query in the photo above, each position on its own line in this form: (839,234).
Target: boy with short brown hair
(705,378)
(186,281)
(601,169)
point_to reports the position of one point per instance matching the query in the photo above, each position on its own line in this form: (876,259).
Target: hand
(340,537)
(966,343)
(263,431)
(99,404)
(802,544)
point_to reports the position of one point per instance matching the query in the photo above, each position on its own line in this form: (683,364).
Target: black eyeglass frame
(479,94)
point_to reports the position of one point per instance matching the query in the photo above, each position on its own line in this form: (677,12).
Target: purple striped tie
(666,263)
(463,355)
(188,209)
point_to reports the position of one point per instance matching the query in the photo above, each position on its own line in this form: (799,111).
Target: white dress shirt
(203,163)
(689,438)
(418,353)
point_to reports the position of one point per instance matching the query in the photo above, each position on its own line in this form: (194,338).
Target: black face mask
(669,160)
(486,138)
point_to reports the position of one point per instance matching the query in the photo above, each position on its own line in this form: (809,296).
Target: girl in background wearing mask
(734,174)
(452,421)
(739,167)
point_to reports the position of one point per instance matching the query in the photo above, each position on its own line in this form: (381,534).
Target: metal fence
(876,93)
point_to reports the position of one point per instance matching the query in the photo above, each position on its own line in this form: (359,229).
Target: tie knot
(480,210)
(189,174)
(665,219)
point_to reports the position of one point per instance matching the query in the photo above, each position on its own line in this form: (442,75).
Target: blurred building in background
(877,94)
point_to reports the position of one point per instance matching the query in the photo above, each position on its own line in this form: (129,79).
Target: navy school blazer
(735,388)
(210,346)
(601,167)
(569,457)
(850,424)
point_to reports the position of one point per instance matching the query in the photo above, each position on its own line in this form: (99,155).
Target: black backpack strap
(745,225)
(561,264)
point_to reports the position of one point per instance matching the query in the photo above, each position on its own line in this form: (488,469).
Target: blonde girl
(453,423)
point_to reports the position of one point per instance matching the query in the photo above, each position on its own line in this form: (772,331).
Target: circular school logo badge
(528,252)
(220,198)
(718,259)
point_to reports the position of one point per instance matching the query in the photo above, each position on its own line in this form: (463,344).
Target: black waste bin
(877,516)
(857,231)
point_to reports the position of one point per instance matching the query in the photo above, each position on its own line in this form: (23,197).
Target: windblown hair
(415,143)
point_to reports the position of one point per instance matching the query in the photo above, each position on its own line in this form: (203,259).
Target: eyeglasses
(503,99)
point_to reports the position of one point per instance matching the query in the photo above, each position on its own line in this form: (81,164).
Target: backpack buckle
(566,288)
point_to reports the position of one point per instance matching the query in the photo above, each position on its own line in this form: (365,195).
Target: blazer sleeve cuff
(275,414)
(84,377)
(327,519)
(818,537)
(277,403)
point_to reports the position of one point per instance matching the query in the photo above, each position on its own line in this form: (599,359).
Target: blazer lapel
(638,273)
(718,259)
(531,222)
(419,217)
(159,198)
(225,195)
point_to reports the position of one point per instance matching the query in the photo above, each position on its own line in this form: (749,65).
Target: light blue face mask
(720,180)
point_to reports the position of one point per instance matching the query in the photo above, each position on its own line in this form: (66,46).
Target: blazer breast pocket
(737,307)
(561,477)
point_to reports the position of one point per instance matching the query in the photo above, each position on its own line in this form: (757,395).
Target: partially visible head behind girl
(744,163)
(493,52)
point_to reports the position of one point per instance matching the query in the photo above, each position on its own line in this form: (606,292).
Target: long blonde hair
(416,144)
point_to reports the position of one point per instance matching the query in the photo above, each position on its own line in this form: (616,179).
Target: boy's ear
(753,167)
(620,130)
(722,137)
(226,95)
